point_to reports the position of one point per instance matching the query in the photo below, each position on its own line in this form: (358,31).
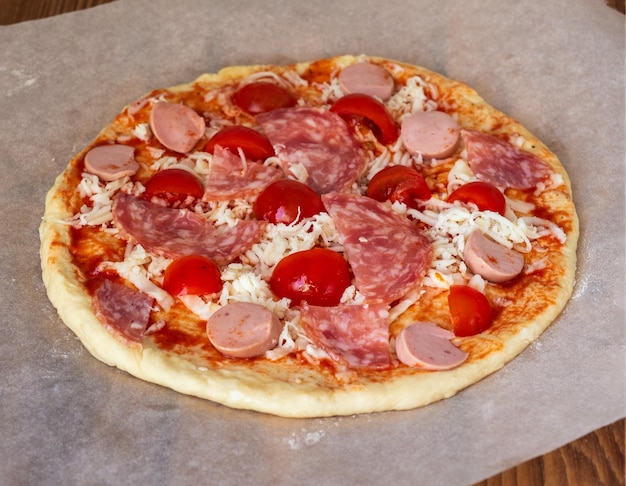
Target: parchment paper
(555,65)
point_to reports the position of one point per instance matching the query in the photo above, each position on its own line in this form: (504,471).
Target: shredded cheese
(408,99)
(100,196)
(138,267)
(281,240)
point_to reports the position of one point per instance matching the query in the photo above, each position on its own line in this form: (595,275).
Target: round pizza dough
(290,386)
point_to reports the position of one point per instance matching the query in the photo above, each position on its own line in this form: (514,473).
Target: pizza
(343,236)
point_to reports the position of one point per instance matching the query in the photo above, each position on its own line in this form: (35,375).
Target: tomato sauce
(90,247)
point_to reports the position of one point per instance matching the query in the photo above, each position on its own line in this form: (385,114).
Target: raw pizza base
(292,387)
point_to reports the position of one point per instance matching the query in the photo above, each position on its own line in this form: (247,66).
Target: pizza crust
(286,387)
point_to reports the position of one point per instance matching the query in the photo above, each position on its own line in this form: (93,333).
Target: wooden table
(595,459)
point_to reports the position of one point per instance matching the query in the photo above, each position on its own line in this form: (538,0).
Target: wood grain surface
(596,459)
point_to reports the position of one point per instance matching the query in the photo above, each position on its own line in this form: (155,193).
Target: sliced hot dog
(110,162)
(428,346)
(431,134)
(491,260)
(243,330)
(368,79)
(176,126)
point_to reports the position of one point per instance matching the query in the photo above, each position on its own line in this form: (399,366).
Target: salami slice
(179,232)
(388,254)
(502,164)
(230,178)
(319,140)
(122,310)
(354,335)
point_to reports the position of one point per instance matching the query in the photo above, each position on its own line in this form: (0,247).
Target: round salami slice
(502,164)
(178,232)
(354,335)
(123,311)
(230,178)
(388,254)
(320,141)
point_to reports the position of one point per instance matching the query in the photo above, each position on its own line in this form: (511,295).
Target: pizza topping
(485,196)
(262,96)
(178,232)
(431,134)
(399,183)
(280,240)
(173,185)
(354,335)
(232,177)
(502,164)
(491,260)
(123,311)
(410,98)
(192,275)
(366,78)
(254,145)
(470,311)
(369,109)
(111,162)
(287,201)
(176,126)
(427,346)
(140,269)
(243,330)
(379,242)
(318,276)
(449,225)
(319,142)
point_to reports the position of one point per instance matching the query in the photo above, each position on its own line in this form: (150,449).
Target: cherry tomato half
(318,276)
(368,107)
(254,145)
(192,275)
(398,183)
(261,96)
(470,310)
(174,185)
(485,196)
(286,201)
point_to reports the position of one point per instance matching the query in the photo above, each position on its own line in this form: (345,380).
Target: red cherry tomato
(470,310)
(254,145)
(398,183)
(318,276)
(286,201)
(368,107)
(192,275)
(261,96)
(174,185)
(485,196)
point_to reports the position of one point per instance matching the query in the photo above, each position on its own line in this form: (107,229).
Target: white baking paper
(555,65)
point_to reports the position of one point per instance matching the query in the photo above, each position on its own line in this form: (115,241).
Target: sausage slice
(110,162)
(243,330)
(176,126)
(368,79)
(491,260)
(431,134)
(428,346)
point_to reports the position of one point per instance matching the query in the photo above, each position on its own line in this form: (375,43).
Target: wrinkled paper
(557,66)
